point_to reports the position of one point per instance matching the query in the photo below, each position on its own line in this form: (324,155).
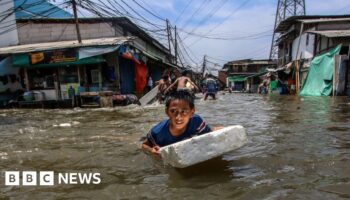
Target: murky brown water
(299,148)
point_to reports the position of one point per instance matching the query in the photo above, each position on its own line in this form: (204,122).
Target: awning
(332,33)
(86,52)
(237,78)
(326,19)
(22,61)
(27,48)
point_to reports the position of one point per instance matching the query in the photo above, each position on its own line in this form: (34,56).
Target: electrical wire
(201,6)
(47,12)
(183,10)
(223,21)
(211,13)
(156,16)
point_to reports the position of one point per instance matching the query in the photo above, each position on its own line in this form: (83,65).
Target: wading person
(211,88)
(183,83)
(182,123)
(163,84)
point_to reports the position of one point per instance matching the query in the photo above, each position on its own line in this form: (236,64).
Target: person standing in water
(211,88)
(163,84)
(183,83)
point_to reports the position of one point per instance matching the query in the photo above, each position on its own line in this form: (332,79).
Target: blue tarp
(29,9)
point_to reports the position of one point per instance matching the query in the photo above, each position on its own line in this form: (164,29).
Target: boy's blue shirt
(160,133)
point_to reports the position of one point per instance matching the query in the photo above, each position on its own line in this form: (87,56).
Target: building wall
(247,68)
(306,49)
(222,76)
(334,26)
(52,32)
(8,28)
(151,49)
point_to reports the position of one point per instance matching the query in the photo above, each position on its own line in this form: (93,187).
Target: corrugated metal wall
(127,73)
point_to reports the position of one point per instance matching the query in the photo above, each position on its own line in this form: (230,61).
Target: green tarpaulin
(319,79)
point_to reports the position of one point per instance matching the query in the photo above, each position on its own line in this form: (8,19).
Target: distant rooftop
(250,62)
(284,25)
(29,9)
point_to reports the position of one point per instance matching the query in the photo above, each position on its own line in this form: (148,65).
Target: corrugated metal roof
(64,44)
(332,33)
(308,21)
(29,9)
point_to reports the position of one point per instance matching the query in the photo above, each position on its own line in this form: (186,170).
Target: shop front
(50,74)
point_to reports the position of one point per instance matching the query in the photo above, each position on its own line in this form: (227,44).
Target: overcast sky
(246,25)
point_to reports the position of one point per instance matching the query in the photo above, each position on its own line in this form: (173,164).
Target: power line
(44,14)
(138,14)
(183,10)
(149,7)
(213,11)
(91,6)
(105,8)
(252,36)
(226,18)
(203,4)
(156,16)
(184,48)
(47,12)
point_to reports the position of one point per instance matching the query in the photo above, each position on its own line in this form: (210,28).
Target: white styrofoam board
(204,147)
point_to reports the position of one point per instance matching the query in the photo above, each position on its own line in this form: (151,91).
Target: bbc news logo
(47,178)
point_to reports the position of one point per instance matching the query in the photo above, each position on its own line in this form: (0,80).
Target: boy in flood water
(182,123)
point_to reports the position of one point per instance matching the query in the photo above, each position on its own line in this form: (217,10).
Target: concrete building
(243,75)
(42,47)
(304,37)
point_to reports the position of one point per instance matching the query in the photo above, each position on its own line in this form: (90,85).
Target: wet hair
(185,72)
(165,77)
(180,95)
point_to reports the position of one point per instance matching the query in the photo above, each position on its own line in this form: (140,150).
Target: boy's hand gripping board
(204,147)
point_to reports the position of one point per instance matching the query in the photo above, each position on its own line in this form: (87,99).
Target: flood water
(299,148)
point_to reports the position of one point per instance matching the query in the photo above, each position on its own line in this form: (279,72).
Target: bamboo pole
(297,79)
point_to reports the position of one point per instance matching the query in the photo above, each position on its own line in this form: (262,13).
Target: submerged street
(298,149)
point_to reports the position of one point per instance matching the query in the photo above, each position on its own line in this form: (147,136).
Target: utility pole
(74,5)
(285,9)
(169,36)
(204,64)
(175,46)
